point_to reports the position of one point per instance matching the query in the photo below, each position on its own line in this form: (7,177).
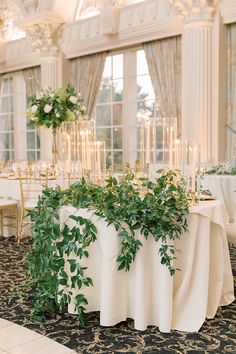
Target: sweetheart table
(147,293)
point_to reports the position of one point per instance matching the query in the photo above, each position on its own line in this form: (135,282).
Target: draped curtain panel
(86,76)
(231,95)
(164,63)
(32,78)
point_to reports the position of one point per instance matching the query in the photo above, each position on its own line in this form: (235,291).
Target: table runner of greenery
(157,209)
(222,168)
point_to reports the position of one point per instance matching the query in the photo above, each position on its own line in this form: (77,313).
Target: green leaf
(63,281)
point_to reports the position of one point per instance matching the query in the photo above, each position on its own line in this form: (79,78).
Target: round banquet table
(147,293)
(223,187)
(10,188)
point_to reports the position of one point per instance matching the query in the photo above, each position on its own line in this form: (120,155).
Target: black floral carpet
(217,335)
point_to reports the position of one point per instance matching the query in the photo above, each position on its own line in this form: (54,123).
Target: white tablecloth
(223,187)
(10,188)
(147,293)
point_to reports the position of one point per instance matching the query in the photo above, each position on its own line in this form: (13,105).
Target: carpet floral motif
(217,335)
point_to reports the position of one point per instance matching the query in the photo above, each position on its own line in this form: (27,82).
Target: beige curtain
(32,80)
(164,63)
(86,76)
(231,95)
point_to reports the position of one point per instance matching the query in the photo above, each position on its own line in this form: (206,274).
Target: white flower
(34,108)
(83,108)
(33,118)
(73,99)
(51,95)
(47,108)
(58,115)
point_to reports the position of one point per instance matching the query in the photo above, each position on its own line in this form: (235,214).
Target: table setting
(147,244)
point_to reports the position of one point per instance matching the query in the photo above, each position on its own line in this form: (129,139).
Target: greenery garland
(156,209)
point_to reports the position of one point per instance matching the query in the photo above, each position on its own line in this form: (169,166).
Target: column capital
(196,10)
(43,32)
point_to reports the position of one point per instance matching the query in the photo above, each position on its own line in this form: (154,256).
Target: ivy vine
(156,209)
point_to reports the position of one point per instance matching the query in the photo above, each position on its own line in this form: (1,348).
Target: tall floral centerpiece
(50,108)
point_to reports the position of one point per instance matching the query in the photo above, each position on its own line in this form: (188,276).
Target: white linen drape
(231,95)
(147,293)
(32,80)
(86,76)
(164,63)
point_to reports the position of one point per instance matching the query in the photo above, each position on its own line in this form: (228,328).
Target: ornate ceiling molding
(43,32)
(195,10)
(30,6)
(141,22)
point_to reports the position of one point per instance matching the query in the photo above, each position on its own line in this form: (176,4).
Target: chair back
(31,186)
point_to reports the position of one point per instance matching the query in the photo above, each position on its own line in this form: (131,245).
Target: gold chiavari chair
(31,186)
(8,215)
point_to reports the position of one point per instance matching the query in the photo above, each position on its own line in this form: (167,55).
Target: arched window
(89,8)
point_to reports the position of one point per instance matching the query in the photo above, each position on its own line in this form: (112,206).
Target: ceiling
(13,10)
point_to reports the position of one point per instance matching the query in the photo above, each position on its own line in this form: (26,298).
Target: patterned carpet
(217,335)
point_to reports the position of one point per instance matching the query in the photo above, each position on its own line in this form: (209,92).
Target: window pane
(12,122)
(4,123)
(109,118)
(107,68)
(11,107)
(144,88)
(117,114)
(12,140)
(30,155)
(10,84)
(118,90)
(30,140)
(6,119)
(117,157)
(29,124)
(4,141)
(146,107)
(103,115)
(117,138)
(37,140)
(142,67)
(5,87)
(7,154)
(117,66)
(108,159)
(5,105)
(105,91)
(104,134)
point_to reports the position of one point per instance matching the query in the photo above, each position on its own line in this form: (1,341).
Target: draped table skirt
(147,293)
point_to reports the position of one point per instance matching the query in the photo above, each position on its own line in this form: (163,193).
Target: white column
(197,76)
(43,32)
(197,87)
